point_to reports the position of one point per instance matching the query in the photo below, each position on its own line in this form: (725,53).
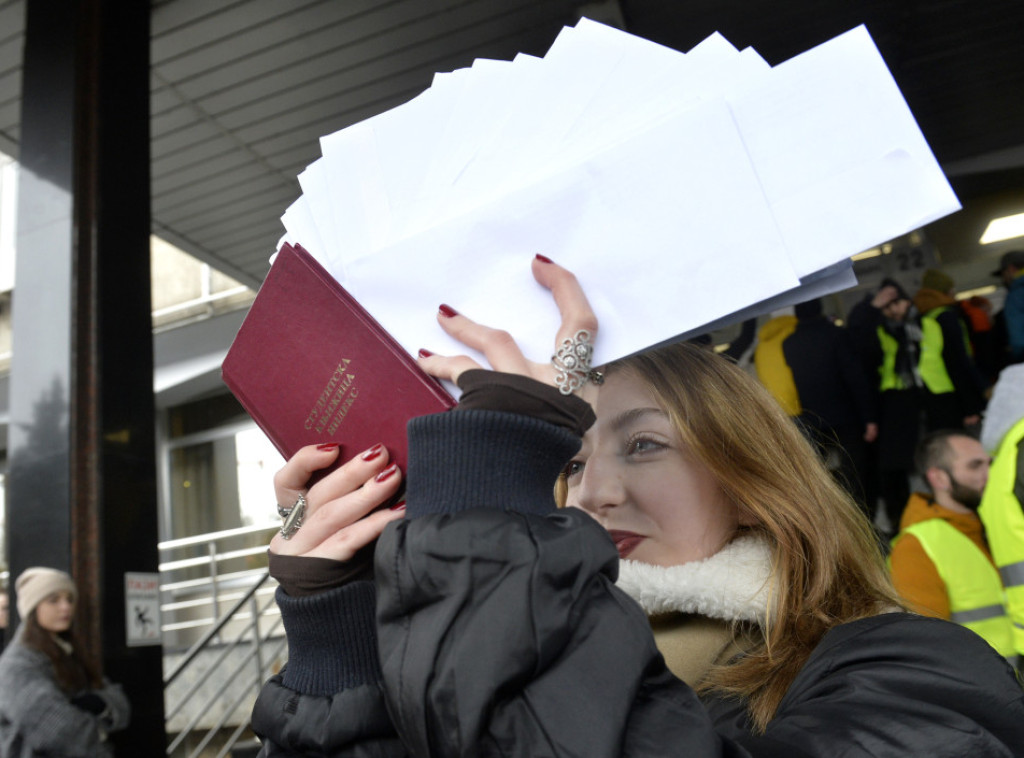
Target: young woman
(494,626)
(52,701)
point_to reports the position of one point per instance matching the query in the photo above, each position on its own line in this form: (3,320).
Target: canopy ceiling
(242,90)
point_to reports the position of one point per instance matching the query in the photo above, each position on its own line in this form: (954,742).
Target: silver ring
(292,517)
(572,362)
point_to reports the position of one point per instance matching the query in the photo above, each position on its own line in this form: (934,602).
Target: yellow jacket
(770,362)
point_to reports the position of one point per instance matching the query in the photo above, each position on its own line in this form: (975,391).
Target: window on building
(220,469)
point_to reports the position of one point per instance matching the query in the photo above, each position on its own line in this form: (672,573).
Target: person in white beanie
(1005,408)
(53,701)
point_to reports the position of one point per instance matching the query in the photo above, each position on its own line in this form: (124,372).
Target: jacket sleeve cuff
(332,639)
(484,458)
(512,393)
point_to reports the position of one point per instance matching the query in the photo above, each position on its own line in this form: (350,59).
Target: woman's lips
(625,542)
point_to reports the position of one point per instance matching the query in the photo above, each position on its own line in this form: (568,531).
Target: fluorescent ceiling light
(988,289)
(873,252)
(1003,228)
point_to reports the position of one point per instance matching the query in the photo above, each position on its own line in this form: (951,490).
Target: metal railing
(217,596)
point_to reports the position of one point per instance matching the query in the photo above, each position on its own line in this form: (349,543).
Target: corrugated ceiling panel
(409,60)
(242,89)
(12,34)
(242,94)
(303,34)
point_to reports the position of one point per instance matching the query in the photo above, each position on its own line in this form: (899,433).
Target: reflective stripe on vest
(930,365)
(888,378)
(975,593)
(1003,517)
(978,614)
(1013,574)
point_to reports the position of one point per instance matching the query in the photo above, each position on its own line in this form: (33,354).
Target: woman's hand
(499,347)
(340,515)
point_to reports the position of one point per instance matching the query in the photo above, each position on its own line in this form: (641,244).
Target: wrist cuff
(332,639)
(511,393)
(483,458)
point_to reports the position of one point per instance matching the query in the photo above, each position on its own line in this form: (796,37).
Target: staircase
(222,639)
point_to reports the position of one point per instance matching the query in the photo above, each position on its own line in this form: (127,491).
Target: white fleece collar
(734,584)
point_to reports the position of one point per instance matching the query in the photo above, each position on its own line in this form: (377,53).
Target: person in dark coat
(494,625)
(900,410)
(1009,322)
(864,319)
(837,406)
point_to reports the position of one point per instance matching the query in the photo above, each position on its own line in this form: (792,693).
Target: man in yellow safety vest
(954,388)
(1003,517)
(940,560)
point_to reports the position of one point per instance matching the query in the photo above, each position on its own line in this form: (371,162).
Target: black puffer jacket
(500,633)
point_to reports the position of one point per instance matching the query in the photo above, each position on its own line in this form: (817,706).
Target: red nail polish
(398,506)
(544,258)
(425,353)
(373,452)
(386,473)
(325,446)
(447,311)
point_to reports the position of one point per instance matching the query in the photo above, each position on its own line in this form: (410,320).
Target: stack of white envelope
(684,190)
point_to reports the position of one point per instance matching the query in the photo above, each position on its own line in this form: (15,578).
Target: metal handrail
(209,588)
(203,641)
(221,679)
(192,562)
(239,699)
(202,539)
(188,584)
(213,297)
(180,605)
(225,683)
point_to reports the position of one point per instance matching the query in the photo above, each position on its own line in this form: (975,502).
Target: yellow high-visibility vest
(976,597)
(930,365)
(1003,518)
(888,379)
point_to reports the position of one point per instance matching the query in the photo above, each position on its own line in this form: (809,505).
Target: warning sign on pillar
(142,608)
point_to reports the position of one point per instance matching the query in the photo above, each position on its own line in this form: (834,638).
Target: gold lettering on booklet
(343,410)
(335,400)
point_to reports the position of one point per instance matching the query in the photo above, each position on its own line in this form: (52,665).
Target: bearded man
(940,560)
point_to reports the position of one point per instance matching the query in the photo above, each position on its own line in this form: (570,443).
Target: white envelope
(686,191)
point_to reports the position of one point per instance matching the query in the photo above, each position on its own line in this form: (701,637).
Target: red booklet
(310,365)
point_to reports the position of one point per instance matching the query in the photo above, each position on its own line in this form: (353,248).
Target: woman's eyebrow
(633,415)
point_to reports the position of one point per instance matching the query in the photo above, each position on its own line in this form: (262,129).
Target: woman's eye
(571,470)
(641,445)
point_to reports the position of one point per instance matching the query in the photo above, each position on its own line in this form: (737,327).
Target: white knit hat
(37,583)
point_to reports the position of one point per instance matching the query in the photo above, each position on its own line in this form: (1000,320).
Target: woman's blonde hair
(827,563)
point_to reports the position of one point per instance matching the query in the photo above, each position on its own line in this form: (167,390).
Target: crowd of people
(901,366)
(647,558)
(914,404)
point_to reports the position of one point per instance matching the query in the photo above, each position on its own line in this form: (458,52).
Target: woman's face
(56,612)
(633,474)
